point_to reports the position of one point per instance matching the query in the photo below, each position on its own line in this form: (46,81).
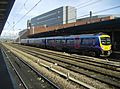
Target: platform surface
(5,80)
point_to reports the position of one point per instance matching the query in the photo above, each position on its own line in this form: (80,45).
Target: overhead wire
(25,4)
(104,10)
(8,23)
(27,13)
(111,8)
(77,5)
(40,1)
(107,9)
(87,3)
(84,5)
(80,4)
(90,4)
(34,7)
(19,10)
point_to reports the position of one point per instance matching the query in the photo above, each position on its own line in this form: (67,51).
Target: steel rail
(33,69)
(22,81)
(89,76)
(113,66)
(58,72)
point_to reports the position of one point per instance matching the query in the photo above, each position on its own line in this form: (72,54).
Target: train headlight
(102,47)
(110,46)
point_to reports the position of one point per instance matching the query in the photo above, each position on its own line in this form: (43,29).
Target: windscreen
(105,41)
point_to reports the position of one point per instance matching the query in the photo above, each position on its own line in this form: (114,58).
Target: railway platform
(5,80)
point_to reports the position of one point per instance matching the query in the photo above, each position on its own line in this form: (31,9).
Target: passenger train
(94,44)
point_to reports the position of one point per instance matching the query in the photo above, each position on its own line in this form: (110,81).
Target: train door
(53,42)
(77,43)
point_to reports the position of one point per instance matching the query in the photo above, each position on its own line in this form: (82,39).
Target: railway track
(21,83)
(29,77)
(104,72)
(83,59)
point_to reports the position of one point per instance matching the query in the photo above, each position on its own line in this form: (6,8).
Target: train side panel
(31,42)
(83,44)
(57,43)
(40,42)
(89,43)
(24,42)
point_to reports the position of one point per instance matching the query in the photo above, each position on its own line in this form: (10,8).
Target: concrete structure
(62,15)
(40,29)
(22,35)
(5,8)
(105,24)
(114,16)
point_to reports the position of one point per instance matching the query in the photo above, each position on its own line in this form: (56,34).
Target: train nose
(106,48)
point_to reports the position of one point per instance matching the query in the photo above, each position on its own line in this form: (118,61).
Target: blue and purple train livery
(94,44)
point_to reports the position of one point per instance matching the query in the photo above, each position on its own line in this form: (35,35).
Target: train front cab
(105,45)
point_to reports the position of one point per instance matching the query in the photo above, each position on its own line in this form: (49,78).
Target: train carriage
(24,41)
(105,44)
(94,44)
(31,42)
(40,42)
(54,42)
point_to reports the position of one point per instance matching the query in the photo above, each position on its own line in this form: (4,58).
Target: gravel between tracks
(64,84)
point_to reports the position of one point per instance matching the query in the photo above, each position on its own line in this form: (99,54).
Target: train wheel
(65,49)
(93,54)
(97,54)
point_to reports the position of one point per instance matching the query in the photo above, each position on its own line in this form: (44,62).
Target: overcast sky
(21,7)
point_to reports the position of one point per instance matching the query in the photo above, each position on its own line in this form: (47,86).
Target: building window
(59,17)
(59,11)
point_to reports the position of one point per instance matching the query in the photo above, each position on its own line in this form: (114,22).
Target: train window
(50,41)
(105,41)
(94,41)
(43,40)
(62,41)
(77,41)
(84,41)
(70,41)
(57,41)
(88,41)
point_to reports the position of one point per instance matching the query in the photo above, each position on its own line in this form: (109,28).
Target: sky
(21,7)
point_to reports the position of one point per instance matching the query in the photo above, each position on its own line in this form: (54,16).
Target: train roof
(87,35)
(96,34)
(72,36)
(75,36)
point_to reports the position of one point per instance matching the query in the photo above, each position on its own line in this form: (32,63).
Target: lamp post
(90,16)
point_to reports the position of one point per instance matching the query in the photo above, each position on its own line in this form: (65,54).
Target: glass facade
(58,16)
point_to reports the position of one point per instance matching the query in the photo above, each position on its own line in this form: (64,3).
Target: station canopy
(5,8)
